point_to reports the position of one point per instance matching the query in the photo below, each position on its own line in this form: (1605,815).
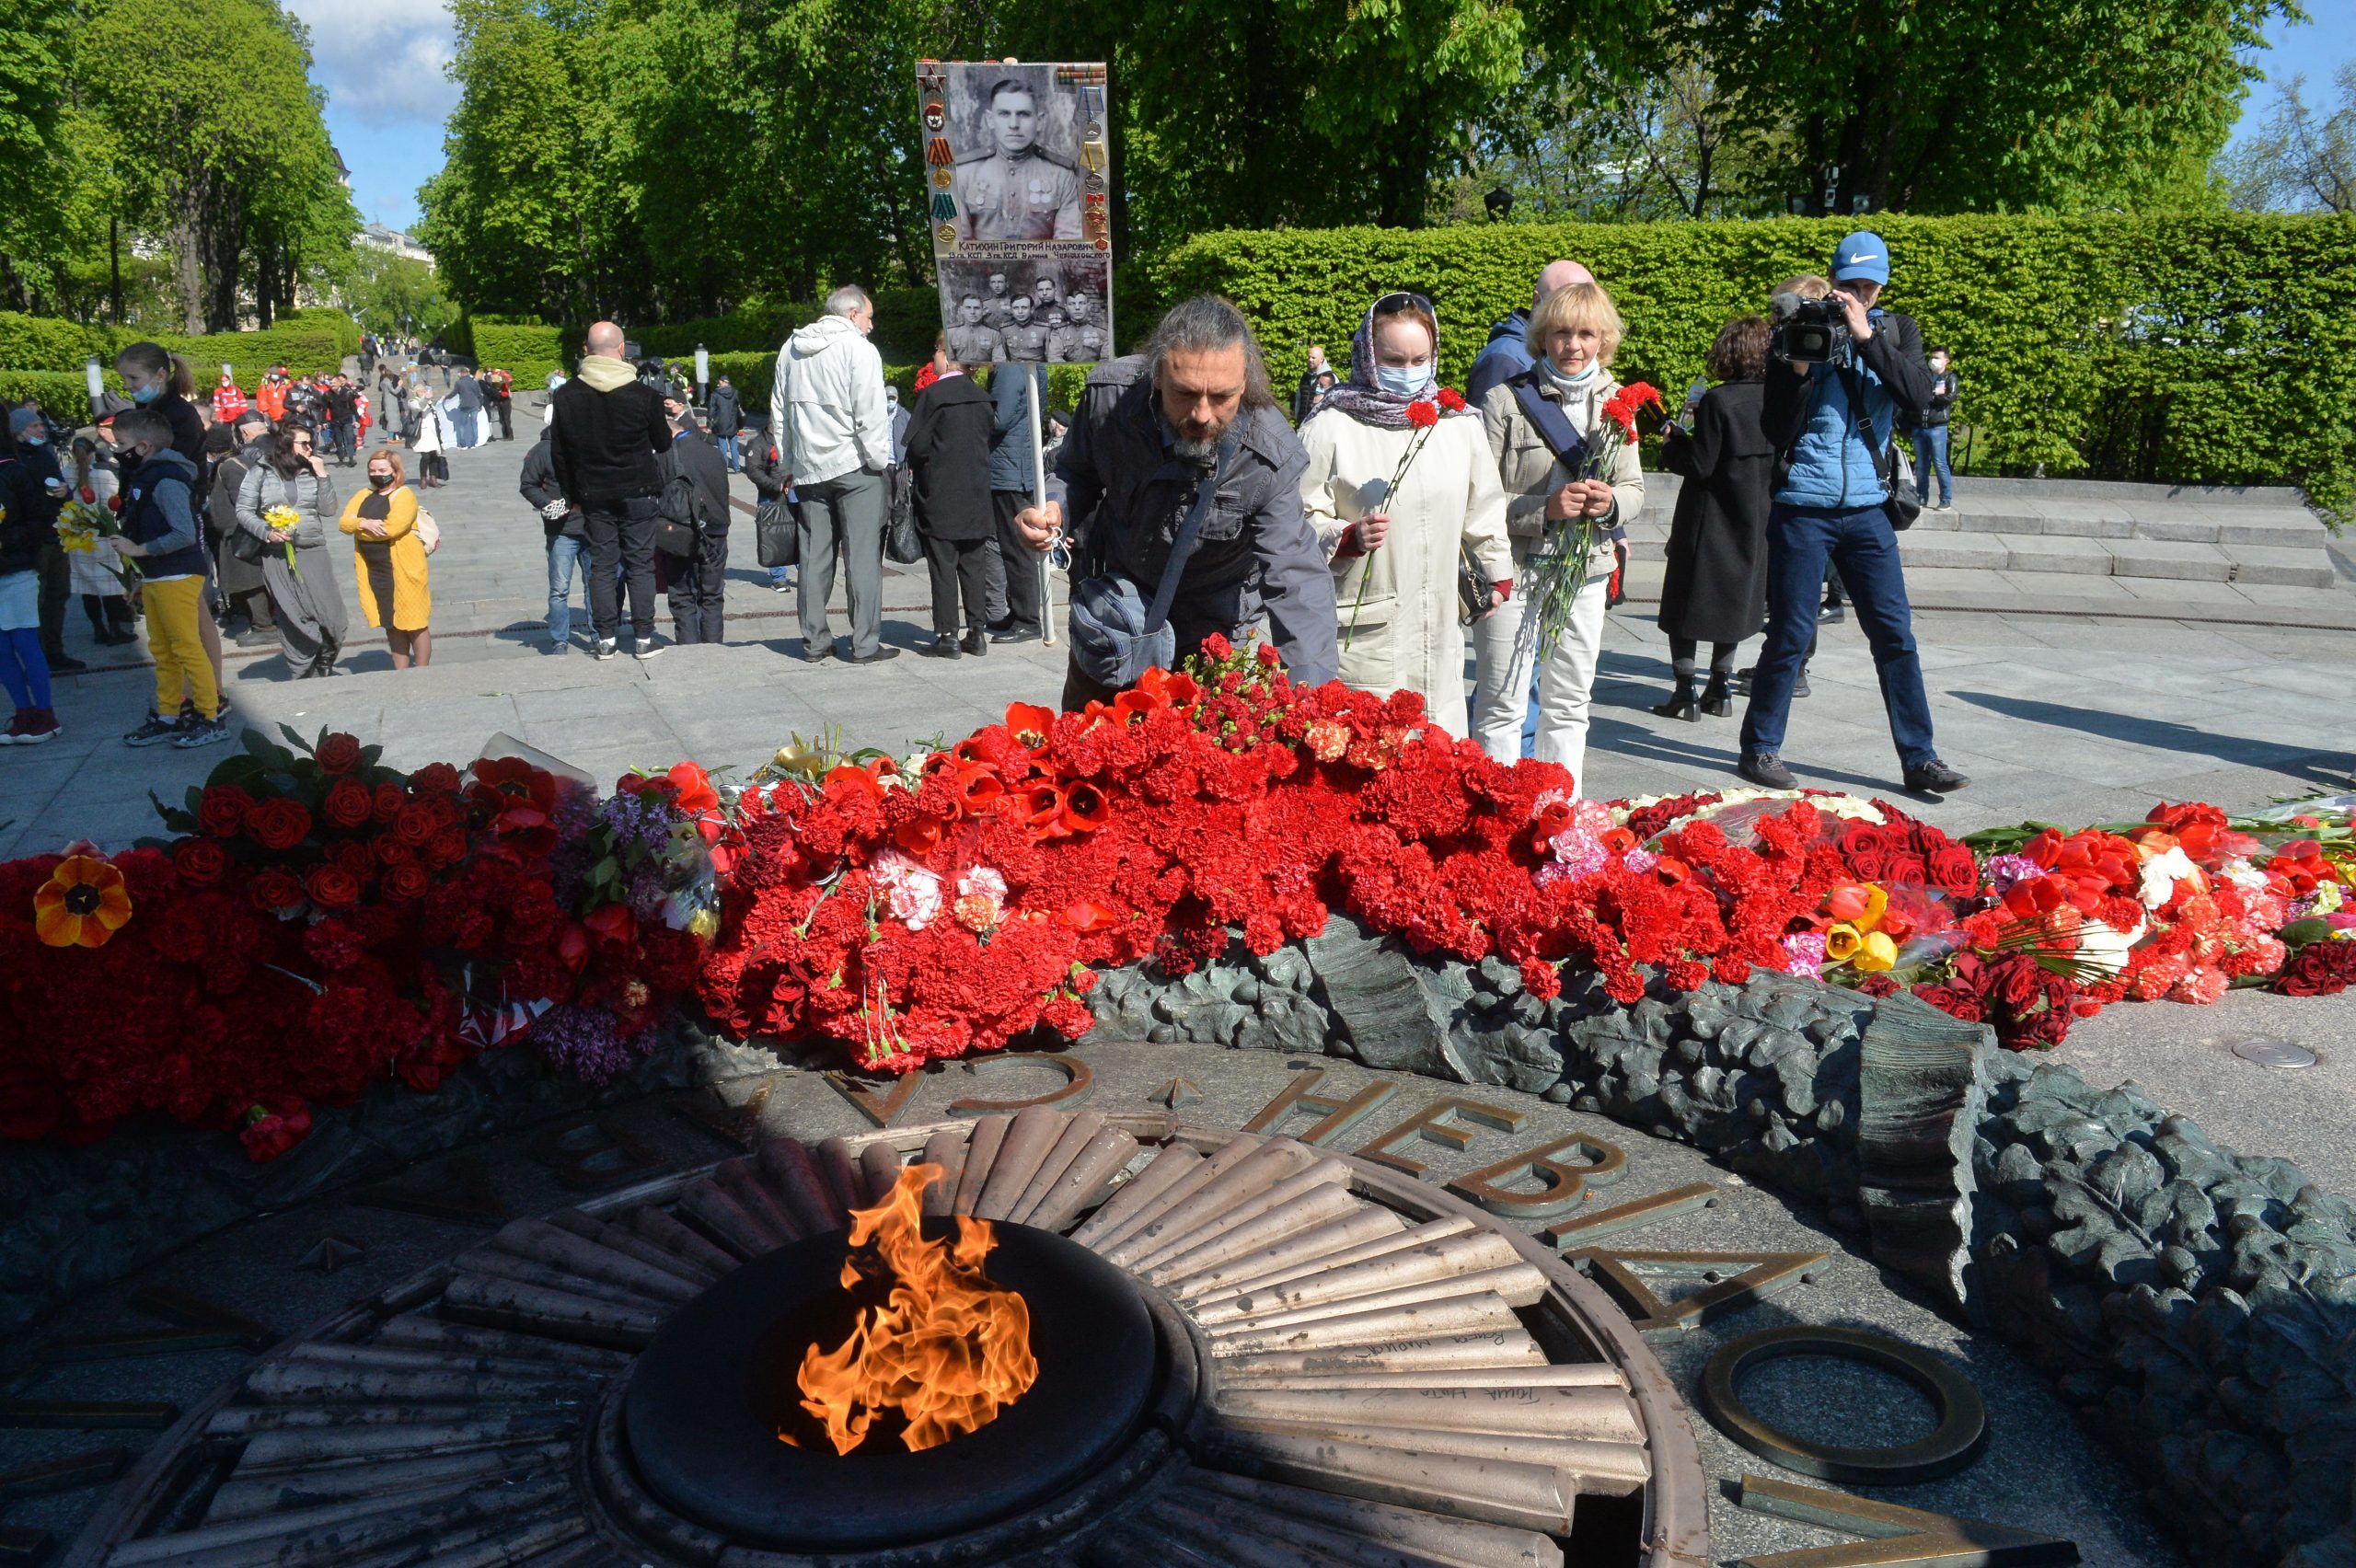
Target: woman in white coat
(1395,557)
(1573,333)
(431,435)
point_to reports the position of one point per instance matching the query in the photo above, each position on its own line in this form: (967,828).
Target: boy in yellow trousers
(161,532)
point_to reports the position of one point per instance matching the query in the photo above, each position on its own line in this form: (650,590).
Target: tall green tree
(2301,159)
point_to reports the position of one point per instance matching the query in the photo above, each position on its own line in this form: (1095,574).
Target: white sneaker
(605,647)
(646,649)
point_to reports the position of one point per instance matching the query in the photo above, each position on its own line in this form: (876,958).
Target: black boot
(1681,703)
(1715,702)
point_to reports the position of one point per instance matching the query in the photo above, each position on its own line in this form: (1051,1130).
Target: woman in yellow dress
(390,559)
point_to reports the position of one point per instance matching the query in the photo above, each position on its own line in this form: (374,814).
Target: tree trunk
(265,279)
(114,270)
(187,273)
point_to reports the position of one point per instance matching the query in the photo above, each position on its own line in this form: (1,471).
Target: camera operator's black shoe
(1935,777)
(1766,770)
(1832,611)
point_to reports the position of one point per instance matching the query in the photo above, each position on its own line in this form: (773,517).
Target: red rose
(388,800)
(435,778)
(1860,837)
(1953,869)
(415,825)
(349,804)
(200,861)
(337,753)
(355,858)
(392,851)
(274,890)
(445,848)
(403,883)
(332,887)
(279,824)
(1871,865)
(222,810)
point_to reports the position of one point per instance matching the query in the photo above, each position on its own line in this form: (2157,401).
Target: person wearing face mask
(1539,421)
(161,382)
(92,480)
(1395,557)
(390,560)
(307,606)
(33,451)
(23,539)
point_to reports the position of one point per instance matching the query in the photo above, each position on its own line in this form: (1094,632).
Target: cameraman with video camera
(1841,375)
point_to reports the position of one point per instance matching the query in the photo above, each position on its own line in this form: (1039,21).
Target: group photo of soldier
(1036,309)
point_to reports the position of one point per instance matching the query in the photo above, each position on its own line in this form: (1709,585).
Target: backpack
(677,508)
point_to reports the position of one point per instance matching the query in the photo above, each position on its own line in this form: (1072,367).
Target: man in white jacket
(834,443)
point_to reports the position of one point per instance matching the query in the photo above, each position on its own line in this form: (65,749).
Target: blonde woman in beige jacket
(1573,335)
(1402,550)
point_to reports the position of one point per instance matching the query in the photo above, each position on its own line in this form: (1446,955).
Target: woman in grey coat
(302,592)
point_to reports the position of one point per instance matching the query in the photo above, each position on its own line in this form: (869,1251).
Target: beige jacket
(1407,636)
(1526,464)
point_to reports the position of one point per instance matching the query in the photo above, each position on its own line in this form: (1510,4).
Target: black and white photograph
(1020,175)
(1044,309)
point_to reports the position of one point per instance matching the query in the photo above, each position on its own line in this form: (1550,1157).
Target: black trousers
(697,583)
(507,407)
(955,565)
(56,587)
(1022,562)
(621,545)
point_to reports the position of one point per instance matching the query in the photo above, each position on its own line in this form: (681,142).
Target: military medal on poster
(1019,164)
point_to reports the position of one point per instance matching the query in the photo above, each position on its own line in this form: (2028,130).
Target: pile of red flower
(963,900)
(323,923)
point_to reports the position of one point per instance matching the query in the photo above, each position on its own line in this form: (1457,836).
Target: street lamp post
(95,380)
(703,374)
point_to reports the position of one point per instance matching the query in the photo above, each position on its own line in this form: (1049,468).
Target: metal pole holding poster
(1018,171)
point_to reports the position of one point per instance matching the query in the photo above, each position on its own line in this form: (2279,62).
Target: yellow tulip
(1877,953)
(1840,943)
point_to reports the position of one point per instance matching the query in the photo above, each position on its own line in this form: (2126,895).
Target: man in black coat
(568,537)
(726,417)
(768,478)
(699,579)
(949,457)
(609,426)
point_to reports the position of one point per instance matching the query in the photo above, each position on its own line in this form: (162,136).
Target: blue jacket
(1828,446)
(159,515)
(1011,426)
(1505,357)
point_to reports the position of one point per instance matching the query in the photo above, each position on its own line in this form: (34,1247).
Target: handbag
(1890,465)
(247,546)
(1115,635)
(1472,588)
(902,544)
(429,532)
(780,540)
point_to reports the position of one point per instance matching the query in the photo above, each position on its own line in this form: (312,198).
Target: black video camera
(1809,330)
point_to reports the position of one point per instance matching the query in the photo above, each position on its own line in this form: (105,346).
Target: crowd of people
(1397,526)
(215,520)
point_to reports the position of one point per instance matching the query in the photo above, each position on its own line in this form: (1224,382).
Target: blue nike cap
(1862,255)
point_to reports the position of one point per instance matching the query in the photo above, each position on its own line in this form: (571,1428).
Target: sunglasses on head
(1393,304)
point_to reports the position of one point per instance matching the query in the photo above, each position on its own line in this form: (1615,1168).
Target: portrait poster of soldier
(1019,170)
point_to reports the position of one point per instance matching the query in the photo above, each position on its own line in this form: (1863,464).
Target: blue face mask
(36,441)
(1404,380)
(147,394)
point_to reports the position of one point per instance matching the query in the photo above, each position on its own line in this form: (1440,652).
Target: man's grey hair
(1205,324)
(846,299)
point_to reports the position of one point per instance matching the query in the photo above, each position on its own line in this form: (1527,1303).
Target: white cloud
(381,60)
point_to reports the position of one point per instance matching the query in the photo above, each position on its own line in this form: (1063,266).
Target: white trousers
(1565,679)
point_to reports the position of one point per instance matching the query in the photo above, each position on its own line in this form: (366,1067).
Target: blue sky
(381,62)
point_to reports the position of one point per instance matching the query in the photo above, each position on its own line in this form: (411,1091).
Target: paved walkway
(2060,716)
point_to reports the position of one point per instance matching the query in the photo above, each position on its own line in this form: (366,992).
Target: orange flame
(947,1352)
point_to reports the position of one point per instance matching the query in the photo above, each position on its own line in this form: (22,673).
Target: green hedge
(306,342)
(2183,350)
(754,373)
(62,395)
(906,319)
(528,350)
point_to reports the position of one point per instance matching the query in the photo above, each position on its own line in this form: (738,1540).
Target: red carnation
(273,890)
(279,824)
(1452,401)
(222,810)
(347,804)
(199,861)
(337,753)
(269,1133)
(1423,416)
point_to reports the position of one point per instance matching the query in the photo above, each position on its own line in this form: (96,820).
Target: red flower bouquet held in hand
(1559,570)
